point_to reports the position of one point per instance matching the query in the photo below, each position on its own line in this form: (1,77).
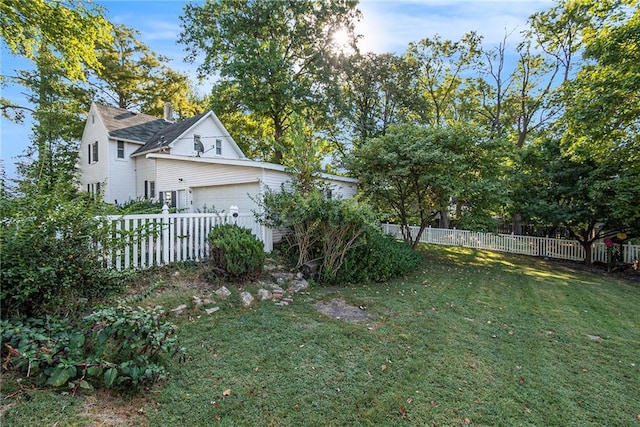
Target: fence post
(165,234)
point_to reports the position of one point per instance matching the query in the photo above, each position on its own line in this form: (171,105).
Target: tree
(412,172)
(376,90)
(70,32)
(603,114)
(58,107)
(275,54)
(592,197)
(441,64)
(131,76)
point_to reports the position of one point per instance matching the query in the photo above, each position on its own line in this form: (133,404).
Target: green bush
(343,234)
(51,252)
(235,251)
(380,257)
(115,347)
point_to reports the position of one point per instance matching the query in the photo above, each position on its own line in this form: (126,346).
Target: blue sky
(386,26)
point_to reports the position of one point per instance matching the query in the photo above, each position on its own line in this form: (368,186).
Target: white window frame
(218,147)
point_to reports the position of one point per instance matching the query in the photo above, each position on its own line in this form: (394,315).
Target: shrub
(51,256)
(343,234)
(379,258)
(235,251)
(319,227)
(115,347)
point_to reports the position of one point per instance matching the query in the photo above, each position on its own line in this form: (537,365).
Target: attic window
(197,143)
(218,147)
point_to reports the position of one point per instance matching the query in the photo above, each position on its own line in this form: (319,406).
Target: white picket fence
(527,245)
(159,239)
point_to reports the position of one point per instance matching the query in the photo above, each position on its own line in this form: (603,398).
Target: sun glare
(340,39)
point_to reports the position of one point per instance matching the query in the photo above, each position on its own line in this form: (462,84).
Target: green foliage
(272,58)
(51,255)
(134,77)
(136,207)
(342,234)
(71,30)
(379,258)
(118,347)
(412,172)
(235,251)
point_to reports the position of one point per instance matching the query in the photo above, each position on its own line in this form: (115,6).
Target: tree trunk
(587,251)
(444,218)
(517,224)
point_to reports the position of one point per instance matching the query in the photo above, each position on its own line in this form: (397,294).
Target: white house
(192,165)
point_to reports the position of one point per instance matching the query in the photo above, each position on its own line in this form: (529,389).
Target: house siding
(97,172)
(221,197)
(122,173)
(145,171)
(209,132)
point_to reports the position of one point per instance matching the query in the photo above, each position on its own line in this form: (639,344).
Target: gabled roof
(124,124)
(165,136)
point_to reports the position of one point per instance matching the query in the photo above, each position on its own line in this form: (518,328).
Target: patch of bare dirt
(105,410)
(339,309)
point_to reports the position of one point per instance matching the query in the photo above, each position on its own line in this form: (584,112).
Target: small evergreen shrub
(235,251)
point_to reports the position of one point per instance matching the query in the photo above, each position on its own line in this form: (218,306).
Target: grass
(474,338)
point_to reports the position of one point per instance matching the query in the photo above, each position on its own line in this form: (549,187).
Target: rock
(197,301)
(211,310)
(595,338)
(271,267)
(223,292)
(179,310)
(281,278)
(247,299)
(298,285)
(264,294)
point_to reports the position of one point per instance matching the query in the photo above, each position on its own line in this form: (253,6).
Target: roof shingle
(128,125)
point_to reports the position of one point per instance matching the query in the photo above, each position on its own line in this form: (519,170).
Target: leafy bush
(381,257)
(235,251)
(319,227)
(343,234)
(51,252)
(115,347)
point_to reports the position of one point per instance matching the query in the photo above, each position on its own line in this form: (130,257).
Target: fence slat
(526,245)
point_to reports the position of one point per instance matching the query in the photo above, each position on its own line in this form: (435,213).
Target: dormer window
(218,147)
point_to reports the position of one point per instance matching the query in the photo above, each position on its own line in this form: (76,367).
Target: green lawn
(474,338)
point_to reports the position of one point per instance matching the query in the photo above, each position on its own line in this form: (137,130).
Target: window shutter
(146,189)
(90,147)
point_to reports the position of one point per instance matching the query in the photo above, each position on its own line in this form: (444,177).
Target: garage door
(220,197)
